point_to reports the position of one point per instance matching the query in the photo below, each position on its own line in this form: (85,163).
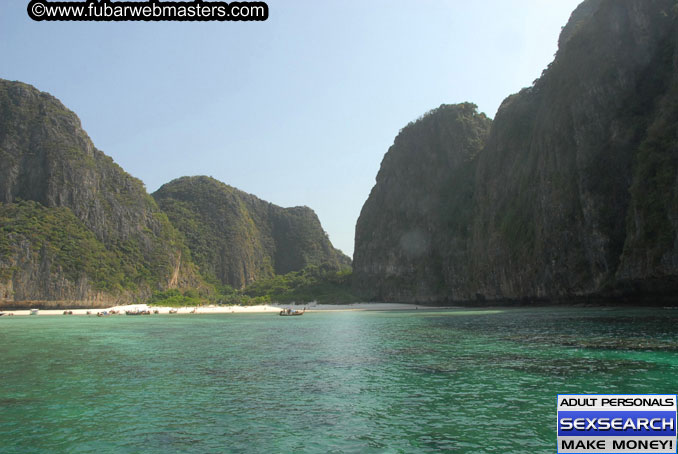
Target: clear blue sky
(298,110)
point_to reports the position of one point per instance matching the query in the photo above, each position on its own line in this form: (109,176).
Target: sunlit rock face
(75,227)
(236,238)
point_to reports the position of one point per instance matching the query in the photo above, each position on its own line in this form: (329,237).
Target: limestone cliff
(415,224)
(74,226)
(236,238)
(573,194)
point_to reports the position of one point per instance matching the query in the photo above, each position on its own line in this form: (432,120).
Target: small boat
(137,312)
(289,312)
(103,314)
(173,311)
(34,311)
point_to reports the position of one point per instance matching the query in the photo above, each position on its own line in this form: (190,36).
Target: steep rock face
(236,238)
(47,158)
(417,217)
(575,191)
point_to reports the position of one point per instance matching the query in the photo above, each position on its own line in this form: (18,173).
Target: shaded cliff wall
(574,191)
(414,229)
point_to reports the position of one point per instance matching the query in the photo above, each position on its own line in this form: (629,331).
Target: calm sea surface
(347,382)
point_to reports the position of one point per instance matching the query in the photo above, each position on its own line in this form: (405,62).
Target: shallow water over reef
(462,381)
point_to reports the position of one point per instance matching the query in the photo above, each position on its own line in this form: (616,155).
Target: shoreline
(212,309)
(312,307)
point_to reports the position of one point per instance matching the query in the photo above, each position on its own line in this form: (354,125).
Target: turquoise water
(343,382)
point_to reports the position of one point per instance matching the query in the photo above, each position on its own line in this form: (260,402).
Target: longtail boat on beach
(289,312)
(137,312)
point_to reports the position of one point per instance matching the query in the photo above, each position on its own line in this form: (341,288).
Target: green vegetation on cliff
(76,226)
(56,237)
(177,298)
(237,239)
(322,284)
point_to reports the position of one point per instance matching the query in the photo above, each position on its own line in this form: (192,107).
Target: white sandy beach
(311,307)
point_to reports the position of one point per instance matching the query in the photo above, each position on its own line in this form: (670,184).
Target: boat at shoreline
(289,312)
(137,312)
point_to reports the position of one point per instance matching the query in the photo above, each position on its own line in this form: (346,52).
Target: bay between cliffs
(463,381)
